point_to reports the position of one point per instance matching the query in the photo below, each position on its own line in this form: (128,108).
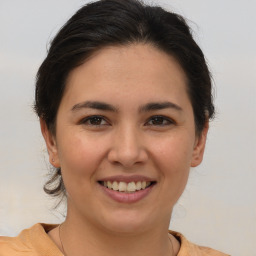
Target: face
(125,138)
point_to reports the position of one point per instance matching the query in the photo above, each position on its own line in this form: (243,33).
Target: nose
(127,148)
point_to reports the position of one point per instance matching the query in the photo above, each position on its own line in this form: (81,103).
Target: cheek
(79,157)
(173,159)
(174,154)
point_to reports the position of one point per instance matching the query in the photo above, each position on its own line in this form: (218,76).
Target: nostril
(127,159)
(127,149)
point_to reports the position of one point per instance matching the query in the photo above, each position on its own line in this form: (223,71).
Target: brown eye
(159,121)
(94,121)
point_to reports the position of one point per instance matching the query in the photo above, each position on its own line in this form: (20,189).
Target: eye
(94,121)
(159,121)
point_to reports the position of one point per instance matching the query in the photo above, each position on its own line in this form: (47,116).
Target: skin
(125,141)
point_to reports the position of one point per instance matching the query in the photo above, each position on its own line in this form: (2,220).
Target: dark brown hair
(119,22)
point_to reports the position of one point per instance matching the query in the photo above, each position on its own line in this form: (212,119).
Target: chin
(126,228)
(126,223)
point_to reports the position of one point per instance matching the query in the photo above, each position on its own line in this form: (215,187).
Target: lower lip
(123,197)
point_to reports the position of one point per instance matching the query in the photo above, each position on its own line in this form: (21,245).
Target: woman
(124,101)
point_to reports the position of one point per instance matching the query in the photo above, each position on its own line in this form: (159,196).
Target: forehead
(139,69)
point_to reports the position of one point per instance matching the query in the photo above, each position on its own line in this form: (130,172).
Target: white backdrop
(218,207)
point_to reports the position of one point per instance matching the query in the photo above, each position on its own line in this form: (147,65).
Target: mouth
(127,187)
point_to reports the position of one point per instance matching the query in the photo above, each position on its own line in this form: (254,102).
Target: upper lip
(127,179)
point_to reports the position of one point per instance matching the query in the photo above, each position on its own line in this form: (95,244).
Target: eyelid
(88,118)
(165,118)
(84,121)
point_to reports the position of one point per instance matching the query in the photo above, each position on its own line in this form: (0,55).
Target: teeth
(115,186)
(131,187)
(109,184)
(122,186)
(138,185)
(126,187)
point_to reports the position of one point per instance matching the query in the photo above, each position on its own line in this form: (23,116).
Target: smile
(126,187)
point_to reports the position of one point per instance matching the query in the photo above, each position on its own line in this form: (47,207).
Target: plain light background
(218,207)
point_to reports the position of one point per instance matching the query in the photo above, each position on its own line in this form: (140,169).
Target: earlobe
(50,142)
(199,147)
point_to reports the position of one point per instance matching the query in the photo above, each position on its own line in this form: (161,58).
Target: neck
(82,238)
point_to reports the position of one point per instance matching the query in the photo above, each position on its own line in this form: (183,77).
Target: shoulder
(189,249)
(33,241)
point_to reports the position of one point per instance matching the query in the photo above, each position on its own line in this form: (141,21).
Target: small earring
(53,159)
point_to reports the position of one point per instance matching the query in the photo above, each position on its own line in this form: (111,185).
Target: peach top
(35,242)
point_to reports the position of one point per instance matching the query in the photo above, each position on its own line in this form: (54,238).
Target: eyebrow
(107,107)
(158,106)
(94,105)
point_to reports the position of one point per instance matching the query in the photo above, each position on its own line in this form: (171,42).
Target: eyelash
(88,119)
(164,121)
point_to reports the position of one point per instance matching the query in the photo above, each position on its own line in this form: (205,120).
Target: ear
(50,142)
(199,146)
